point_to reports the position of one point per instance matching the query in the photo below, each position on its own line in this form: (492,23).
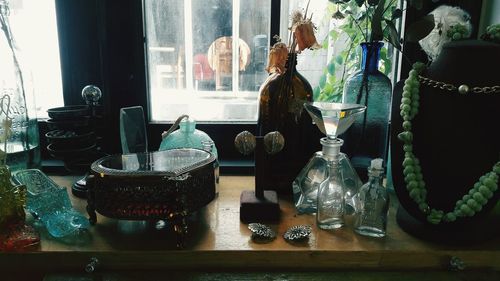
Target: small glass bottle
(331,192)
(209,145)
(373,199)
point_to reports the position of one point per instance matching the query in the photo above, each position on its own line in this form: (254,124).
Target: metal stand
(91,94)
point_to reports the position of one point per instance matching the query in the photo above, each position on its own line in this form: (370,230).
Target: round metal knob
(274,142)
(245,142)
(92,265)
(456,264)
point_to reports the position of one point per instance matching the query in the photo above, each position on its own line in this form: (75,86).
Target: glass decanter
(373,203)
(332,119)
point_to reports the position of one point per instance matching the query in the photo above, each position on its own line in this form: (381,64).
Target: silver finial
(91,94)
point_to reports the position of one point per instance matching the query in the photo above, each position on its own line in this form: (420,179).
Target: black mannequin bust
(456,139)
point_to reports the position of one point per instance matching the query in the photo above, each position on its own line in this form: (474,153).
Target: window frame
(102,43)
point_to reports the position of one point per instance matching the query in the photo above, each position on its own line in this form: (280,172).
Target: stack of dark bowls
(71,135)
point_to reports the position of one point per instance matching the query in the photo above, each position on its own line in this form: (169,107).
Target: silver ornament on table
(274,142)
(245,142)
(261,231)
(297,233)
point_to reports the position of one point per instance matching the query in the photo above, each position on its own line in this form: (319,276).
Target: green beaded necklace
(469,204)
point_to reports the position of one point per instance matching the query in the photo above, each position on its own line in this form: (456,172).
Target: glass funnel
(332,119)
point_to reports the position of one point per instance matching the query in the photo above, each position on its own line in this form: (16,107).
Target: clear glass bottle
(368,137)
(307,182)
(209,145)
(331,200)
(187,136)
(373,199)
(23,148)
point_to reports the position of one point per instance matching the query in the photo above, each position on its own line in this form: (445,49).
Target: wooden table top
(218,239)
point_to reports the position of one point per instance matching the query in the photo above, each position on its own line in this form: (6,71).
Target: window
(117,45)
(191,65)
(33,24)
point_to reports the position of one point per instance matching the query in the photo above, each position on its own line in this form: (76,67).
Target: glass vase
(281,100)
(23,145)
(368,137)
(187,136)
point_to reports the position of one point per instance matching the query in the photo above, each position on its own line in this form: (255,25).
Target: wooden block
(255,209)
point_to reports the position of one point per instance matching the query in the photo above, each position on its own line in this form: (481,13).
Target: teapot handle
(174,126)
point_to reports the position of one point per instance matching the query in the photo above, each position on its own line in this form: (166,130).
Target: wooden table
(217,240)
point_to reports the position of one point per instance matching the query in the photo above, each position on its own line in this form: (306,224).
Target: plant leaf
(322,81)
(377,33)
(396,14)
(331,68)
(420,29)
(334,35)
(392,34)
(331,79)
(328,89)
(316,92)
(373,2)
(339,60)
(360,2)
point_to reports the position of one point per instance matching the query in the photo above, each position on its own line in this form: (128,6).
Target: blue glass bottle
(368,137)
(187,136)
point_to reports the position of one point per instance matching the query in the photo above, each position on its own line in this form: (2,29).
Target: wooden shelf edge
(258,260)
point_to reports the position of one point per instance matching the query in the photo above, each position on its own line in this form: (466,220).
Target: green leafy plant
(358,21)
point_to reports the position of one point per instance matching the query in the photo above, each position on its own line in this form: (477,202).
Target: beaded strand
(469,204)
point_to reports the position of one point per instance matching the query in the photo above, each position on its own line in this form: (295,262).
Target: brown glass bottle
(281,101)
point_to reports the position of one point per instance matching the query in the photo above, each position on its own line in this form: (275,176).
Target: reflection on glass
(159,161)
(193,64)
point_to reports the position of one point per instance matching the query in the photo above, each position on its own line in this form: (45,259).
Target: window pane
(34,27)
(191,66)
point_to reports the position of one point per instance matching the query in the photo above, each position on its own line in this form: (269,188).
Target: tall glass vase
(368,137)
(23,145)
(281,101)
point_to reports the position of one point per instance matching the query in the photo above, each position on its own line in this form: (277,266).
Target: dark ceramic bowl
(68,112)
(68,124)
(71,139)
(62,152)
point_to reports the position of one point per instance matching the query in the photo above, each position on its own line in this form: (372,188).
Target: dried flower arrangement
(302,36)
